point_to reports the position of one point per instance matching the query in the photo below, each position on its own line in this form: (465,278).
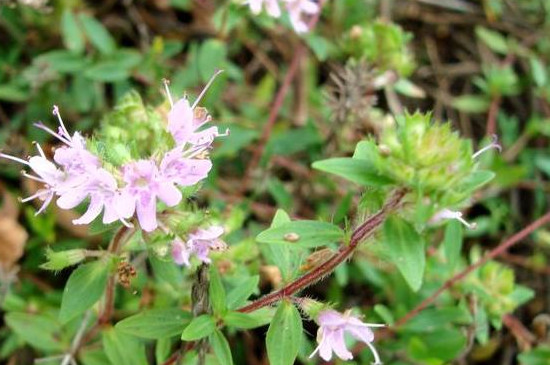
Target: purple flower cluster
(76,174)
(297,10)
(200,243)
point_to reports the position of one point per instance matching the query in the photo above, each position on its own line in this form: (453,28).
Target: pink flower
(333,325)
(200,243)
(104,195)
(296,10)
(185,120)
(271,6)
(145,184)
(182,170)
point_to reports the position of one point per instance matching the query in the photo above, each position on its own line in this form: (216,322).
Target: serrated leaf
(217,292)
(123,349)
(302,234)
(284,335)
(200,327)
(155,323)
(73,38)
(83,289)
(452,242)
(406,250)
(356,170)
(221,348)
(97,34)
(248,320)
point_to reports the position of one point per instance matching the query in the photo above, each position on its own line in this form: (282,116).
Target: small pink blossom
(145,184)
(330,336)
(298,10)
(200,243)
(271,6)
(182,170)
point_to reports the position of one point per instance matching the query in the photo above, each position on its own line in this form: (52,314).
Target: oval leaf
(155,323)
(221,348)
(302,234)
(199,327)
(284,335)
(358,171)
(406,250)
(84,287)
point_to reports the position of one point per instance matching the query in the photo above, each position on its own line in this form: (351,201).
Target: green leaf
(63,61)
(280,254)
(241,292)
(476,180)
(302,234)
(221,348)
(452,242)
(493,40)
(538,356)
(319,45)
(356,170)
(538,70)
(123,349)
(107,71)
(84,287)
(211,57)
(471,103)
(433,319)
(199,327)
(406,250)
(13,93)
(284,335)
(407,88)
(217,292)
(155,323)
(248,320)
(97,34)
(72,35)
(39,331)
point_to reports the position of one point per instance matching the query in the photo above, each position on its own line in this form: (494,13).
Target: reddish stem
(500,249)
(364,231)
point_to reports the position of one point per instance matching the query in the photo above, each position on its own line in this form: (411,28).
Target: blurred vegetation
(481,65)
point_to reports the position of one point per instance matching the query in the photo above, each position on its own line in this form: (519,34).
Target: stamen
(62,138)
(58,115)
(37,145)
(166,82)
(13,158)
(206,88)
(494,144)
(32,177)
(45,204)
(377,360)
(40,193)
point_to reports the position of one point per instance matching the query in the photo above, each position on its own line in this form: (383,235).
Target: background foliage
(481,65)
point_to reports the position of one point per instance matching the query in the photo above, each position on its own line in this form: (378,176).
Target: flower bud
(62,259)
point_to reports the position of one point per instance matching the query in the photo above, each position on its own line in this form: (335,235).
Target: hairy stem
(201,305)
(362,232)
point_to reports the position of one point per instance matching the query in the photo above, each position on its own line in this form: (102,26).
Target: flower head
(200,243)
(297,9)
(330,336)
